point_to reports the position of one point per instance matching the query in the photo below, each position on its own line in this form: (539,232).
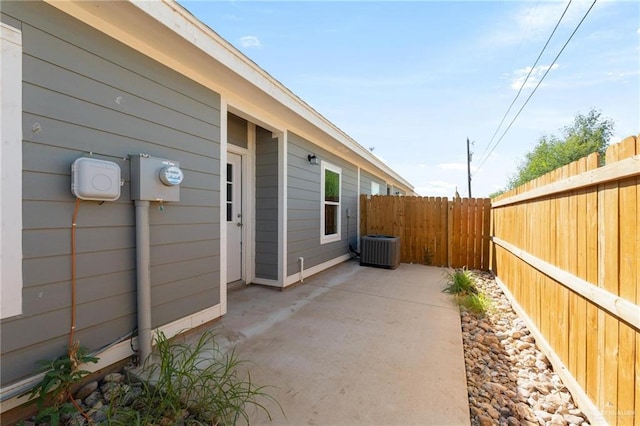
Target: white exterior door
(234,217)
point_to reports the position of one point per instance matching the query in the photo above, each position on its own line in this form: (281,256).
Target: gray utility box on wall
(155,179)
(382,251)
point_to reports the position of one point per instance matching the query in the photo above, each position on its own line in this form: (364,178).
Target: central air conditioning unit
(381,251)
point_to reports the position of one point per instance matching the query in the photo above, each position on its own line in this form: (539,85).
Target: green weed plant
(200,380)
(54,398)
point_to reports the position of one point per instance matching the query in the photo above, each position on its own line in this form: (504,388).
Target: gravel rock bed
(101,398)
(510,381)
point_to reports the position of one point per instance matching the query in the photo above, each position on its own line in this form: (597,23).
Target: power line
(527,78)
(538,85)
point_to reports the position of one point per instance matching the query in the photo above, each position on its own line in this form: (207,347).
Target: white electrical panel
(93,179)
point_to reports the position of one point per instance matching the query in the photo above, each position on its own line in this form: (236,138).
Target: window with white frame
(331,184)
(375,188)
(11,171)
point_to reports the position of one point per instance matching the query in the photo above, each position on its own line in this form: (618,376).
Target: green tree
(588,133)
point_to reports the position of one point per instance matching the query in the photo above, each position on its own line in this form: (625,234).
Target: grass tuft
(196,380)
(460,282)
(476,303)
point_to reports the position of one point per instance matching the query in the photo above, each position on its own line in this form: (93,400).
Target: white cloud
(442,184)
(437,188)
(519,76)
(531,23)
(455,166)
(541,19)
(230,17)
(250,41)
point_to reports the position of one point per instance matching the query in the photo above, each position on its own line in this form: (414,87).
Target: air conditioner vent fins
(381,251)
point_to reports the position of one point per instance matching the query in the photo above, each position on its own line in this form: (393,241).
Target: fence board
(629,253)
(432,230)
(579,314)
(610,283)
(574,321)
(564,236)
(486,231)
(637,275)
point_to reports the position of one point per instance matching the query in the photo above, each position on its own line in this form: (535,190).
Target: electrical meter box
(155,179)
(93,179)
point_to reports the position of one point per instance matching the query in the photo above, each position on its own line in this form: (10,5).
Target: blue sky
(414,79)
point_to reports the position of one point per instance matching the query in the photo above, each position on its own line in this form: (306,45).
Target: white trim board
(250,207)
(11,172)
(283,176)
(267,282)
(292,279)
(222,202)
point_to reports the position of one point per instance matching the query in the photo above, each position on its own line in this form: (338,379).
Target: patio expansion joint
(448,308)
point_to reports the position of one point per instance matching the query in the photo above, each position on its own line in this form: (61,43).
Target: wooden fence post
(449,233)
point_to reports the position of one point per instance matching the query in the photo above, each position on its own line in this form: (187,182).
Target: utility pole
(469,155)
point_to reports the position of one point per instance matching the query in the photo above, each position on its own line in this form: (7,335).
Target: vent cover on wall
(381,251)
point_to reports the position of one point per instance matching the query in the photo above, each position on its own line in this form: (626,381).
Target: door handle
(239,224)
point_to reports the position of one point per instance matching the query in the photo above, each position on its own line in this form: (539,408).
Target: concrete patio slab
(353,346)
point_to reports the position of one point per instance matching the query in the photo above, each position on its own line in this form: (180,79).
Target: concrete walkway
(353,346)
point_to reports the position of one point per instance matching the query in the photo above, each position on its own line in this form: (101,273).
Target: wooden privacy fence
(432,230)
(567,248)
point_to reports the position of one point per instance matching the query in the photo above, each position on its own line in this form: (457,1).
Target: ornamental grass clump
(194,384)
(478,303)
(461,283)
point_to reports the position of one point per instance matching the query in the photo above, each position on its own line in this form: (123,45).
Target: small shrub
(460,282)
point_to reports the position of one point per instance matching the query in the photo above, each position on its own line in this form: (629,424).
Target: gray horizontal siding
(165,295)
(45,76)
(237,131)
(304,204)
(57,106)
(54,296)
(84,92)
(52,269)
(266,205)
(56,323)
(59,146)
